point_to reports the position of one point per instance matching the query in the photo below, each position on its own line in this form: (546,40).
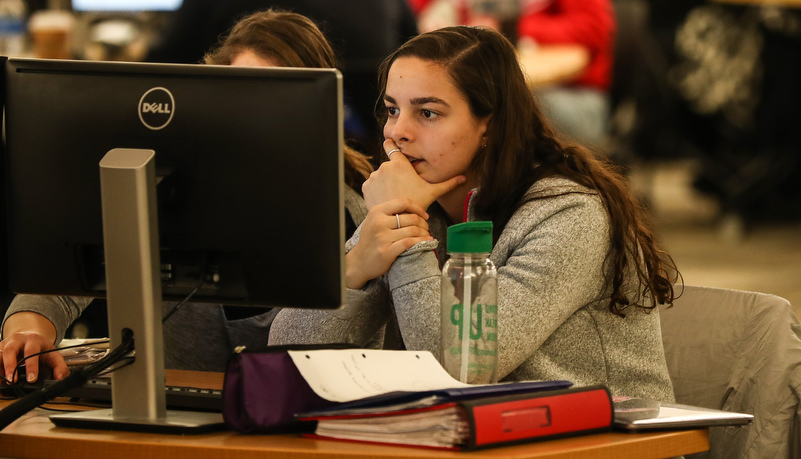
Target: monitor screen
(126,5)
(159,180)
(248,164)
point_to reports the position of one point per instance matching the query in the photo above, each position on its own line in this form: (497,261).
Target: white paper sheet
(347,375)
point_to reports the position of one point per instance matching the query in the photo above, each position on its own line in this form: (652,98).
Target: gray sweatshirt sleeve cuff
(416,263)
(60,310)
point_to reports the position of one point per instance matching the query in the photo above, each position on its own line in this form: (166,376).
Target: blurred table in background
(782,3)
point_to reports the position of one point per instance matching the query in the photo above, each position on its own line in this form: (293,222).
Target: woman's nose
(398,129)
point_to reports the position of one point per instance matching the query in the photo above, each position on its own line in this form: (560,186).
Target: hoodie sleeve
(60,310)
(364,313)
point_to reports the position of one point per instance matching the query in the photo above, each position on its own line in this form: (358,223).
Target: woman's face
(248,58)
(430,120)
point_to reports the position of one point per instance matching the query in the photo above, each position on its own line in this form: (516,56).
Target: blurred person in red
(578,105)
(435,14)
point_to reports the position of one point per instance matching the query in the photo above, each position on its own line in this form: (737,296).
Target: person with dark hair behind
(276,38)
(361,33)
(196,337)
(579,272)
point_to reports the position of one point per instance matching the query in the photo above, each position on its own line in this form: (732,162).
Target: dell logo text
(156,108)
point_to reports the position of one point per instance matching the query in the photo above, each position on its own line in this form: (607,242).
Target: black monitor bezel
(307,287)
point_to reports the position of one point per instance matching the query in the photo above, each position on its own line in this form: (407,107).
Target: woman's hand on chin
(397,178)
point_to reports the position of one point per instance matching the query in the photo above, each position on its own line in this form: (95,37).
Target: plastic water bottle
(469,320)
(12,27)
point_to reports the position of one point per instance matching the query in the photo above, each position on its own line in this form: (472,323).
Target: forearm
(414,282)
(59,311)
(365,312)
(355,277)
(34,324)
(27,321)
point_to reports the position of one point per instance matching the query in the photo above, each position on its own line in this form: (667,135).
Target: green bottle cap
(470,237)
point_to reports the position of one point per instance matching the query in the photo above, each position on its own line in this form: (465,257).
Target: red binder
(477,423)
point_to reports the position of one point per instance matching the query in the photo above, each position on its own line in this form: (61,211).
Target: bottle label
(483,330)
(483,342)
(469,321)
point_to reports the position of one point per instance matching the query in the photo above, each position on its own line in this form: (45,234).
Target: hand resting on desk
(28,333)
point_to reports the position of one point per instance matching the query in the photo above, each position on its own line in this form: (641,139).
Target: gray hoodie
(553,317)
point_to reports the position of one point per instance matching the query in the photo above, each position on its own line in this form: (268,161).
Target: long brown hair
(522,148)
(292,40)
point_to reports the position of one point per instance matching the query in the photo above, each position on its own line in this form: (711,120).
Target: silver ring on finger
(397,218)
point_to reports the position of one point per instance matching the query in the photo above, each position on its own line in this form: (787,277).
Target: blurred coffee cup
(50,33)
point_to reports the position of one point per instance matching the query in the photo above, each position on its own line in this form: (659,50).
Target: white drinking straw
(467,318)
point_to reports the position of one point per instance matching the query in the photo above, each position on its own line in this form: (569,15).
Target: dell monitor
(140,182)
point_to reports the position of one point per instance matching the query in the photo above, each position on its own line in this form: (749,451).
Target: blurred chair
(738,351)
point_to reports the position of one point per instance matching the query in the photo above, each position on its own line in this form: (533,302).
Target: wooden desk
(34,436)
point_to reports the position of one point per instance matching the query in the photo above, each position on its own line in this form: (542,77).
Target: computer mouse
(22,386)
(45,373)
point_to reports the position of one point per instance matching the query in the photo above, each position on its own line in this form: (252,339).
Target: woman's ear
(485,127)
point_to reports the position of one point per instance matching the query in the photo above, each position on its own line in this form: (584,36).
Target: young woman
(579,272)
(35,323)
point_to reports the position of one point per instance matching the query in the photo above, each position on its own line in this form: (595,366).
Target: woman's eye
(392,111)
(428,114)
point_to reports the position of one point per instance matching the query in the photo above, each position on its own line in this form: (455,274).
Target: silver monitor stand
(133,293)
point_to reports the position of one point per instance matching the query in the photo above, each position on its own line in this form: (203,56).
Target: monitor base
(175,422)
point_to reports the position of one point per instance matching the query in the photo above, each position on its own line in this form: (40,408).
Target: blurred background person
(361,32)
(496,14)
(33,322)
(578,105)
